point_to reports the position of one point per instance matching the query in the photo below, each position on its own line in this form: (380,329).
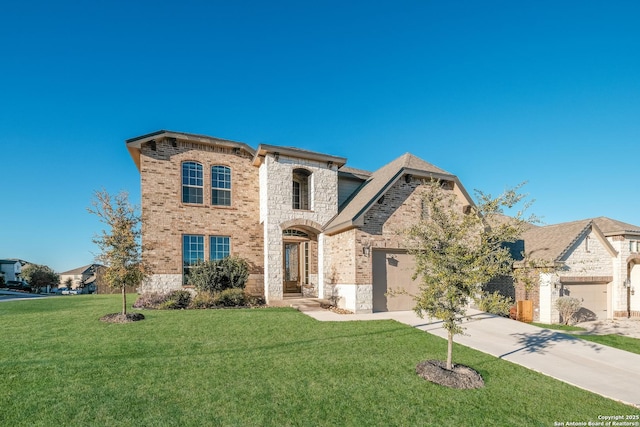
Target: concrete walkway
(606,371)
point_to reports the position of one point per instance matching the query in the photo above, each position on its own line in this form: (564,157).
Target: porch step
(301,304)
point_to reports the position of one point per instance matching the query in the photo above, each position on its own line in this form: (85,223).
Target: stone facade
(588,260)
(277,214)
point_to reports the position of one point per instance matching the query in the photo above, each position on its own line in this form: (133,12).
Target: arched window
(301,189)
(192,184)
(220,186)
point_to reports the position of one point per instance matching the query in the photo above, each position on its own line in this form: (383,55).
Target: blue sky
(495,92)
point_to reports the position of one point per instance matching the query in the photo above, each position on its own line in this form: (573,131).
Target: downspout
(628,283)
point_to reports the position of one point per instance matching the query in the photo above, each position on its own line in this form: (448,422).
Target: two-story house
(307,224)
(310,226)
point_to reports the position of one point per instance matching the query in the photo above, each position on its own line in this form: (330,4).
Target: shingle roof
(77,271)
(611,227)
(552,242)
(377,185)
(358,173)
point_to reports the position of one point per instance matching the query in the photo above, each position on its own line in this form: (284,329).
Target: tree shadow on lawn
(540,342)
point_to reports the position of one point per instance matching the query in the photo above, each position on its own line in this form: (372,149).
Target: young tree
(457,251)
(120,247)
(39,276)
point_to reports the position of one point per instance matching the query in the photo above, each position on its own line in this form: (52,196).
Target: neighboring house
(595,260)
(307,224)
(84,278)
(10,269)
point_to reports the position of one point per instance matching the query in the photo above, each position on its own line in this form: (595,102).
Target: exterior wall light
(366,249)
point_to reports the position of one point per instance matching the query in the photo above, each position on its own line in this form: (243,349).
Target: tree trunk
(124,300)
(450,352)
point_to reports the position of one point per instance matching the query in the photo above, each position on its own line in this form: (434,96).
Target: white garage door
(393,270)
(593,297)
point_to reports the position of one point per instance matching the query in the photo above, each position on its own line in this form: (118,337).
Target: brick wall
(166,219)
(350,268)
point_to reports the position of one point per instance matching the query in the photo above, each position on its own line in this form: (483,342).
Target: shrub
(254,300)
(177,300)
(203,300)
(150,300)
(174,300)
(216,276)
(495,303)
(232,297)
(568,307)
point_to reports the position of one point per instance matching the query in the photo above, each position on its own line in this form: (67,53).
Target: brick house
(307,224)
(596,260)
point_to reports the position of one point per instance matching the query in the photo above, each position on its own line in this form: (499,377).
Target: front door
(292,267)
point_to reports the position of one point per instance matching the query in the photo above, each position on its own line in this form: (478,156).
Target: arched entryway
(632,286)
(299,260)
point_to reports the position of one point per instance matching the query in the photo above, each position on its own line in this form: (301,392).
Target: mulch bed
(460,376)
(122,318)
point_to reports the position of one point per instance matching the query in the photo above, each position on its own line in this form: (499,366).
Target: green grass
(59,365)
(612,340)
(558,327)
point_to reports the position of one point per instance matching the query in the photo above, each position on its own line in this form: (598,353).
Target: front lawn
(59,365)
(612,340)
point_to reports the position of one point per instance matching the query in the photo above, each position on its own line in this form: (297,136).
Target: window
(633,246)
(220,186)
(219,247)
(192,253)
(301,189)
(192,185)
(290,232)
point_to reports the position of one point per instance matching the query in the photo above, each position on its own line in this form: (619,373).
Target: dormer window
(301,189)
(192,183)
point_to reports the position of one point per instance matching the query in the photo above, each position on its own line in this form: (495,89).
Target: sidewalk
(607,371)
(14,296)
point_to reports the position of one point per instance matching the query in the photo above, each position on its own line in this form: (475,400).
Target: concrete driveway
(600,369)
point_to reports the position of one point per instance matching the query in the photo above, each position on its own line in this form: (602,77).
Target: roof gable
(80,270)
(353,210)
(554,242)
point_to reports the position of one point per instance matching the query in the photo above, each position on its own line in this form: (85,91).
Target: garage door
(593,297)
(393,270)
